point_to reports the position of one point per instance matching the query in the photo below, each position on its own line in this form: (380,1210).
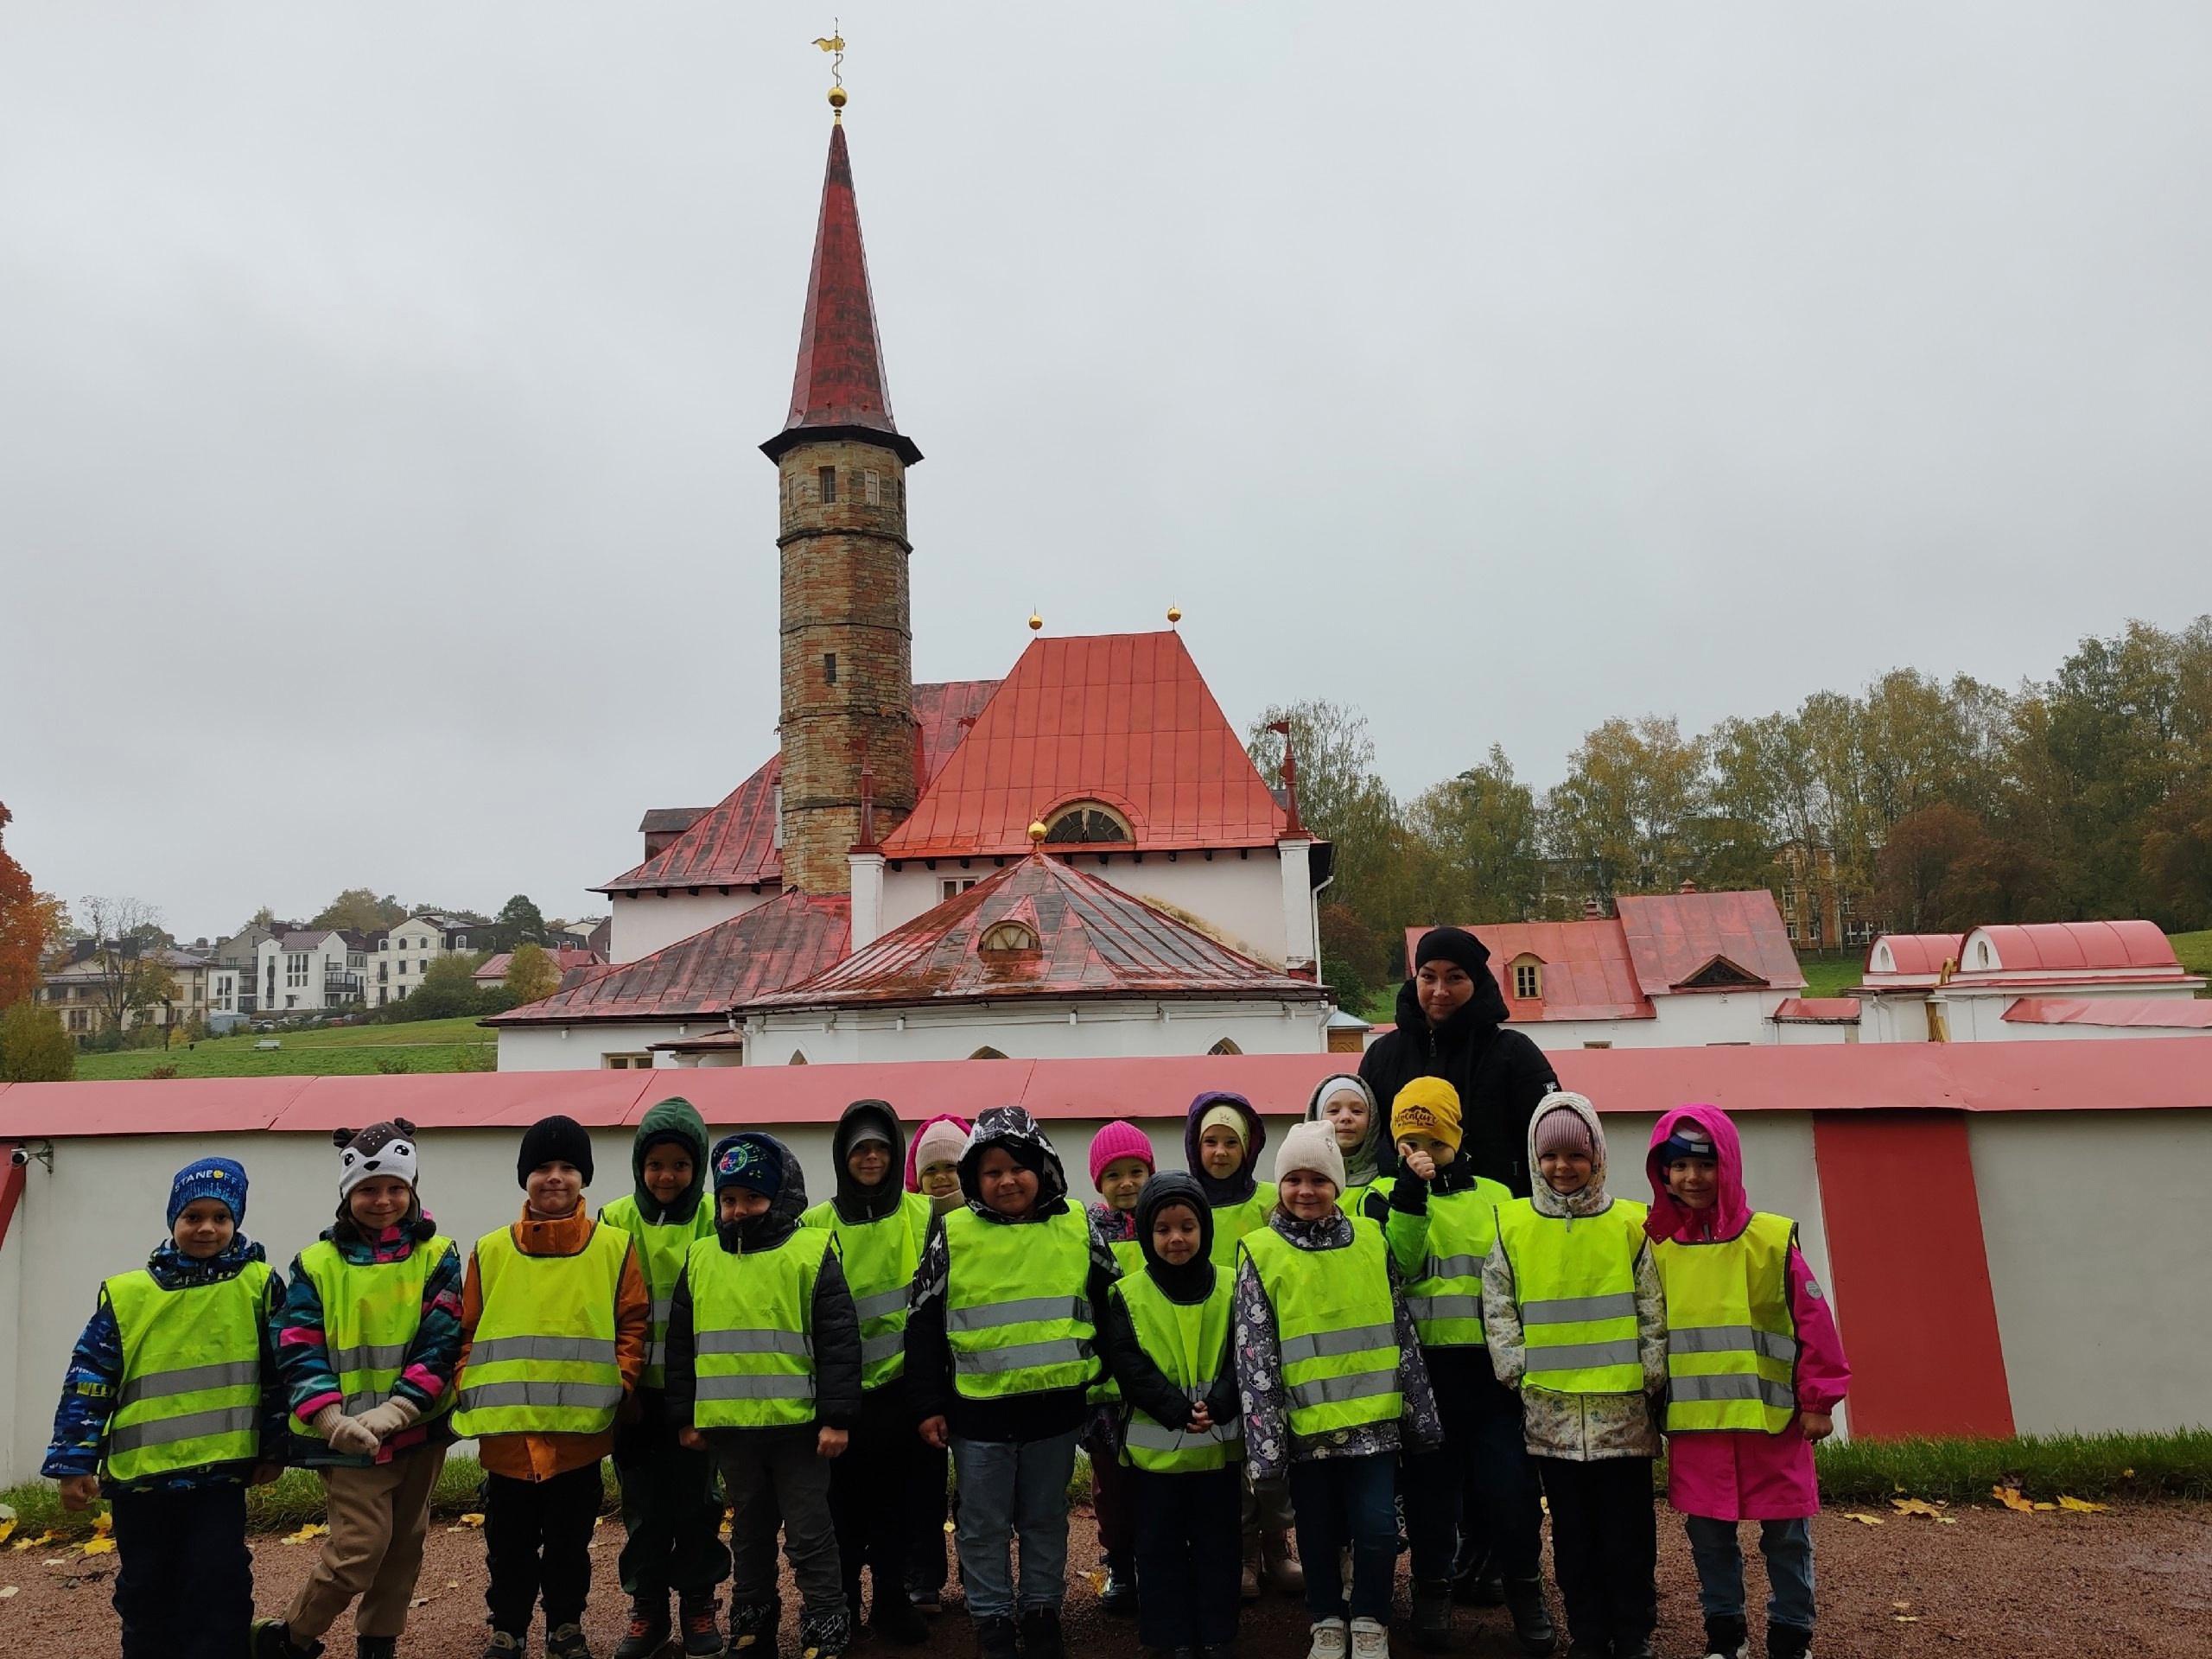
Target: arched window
(1224,1047)
(1001,938)
(1981,953)
(799,1058)
(986,1053)
(1087,820)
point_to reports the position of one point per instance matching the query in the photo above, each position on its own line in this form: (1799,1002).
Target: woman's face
(1443,988)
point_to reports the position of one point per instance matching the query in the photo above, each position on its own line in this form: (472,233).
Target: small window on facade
(953,887)
(797,1058)
(1224,1047)
(1596,1045)
(872,489)
(1981,954)
(1528,981)
(1008,935)
(827,477)
(897,492)
(986,1053)
(1087,820)
(627,1062)
(829,668)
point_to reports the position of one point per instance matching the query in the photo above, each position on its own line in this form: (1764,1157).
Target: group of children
(1379,1329)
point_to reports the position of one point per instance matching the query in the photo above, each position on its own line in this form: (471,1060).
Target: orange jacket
(540,1457)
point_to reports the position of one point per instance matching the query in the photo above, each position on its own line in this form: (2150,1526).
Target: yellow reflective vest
(1232,1221)
(191,1391)
(879,1259)
(371,1312)
(1128,1259)
(1445,1294)
(1017,1308)
(1575,1278)
(1731,1344)
(661,1251)
(1189,1341)
(752,1331)
(1337,1328)
(543,1360)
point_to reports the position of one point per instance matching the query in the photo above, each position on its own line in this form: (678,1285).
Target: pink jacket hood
(1670,1218)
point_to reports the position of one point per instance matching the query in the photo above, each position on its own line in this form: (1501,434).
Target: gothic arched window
(1087,820)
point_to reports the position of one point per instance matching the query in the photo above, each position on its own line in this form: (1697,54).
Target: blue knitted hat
(209,1178)
(748,1161)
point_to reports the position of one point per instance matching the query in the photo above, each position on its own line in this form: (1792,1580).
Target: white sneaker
(1369,1640)
(1328,1640)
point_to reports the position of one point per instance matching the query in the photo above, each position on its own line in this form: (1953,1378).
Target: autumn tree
(1624,816)
(26,916)
(33,1046)
(360,909)
(533,975)
(447,990)
(1478,830)
(132,976)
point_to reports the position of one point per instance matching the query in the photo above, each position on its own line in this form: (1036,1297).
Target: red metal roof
(733,843)
(1093,940)
(2083,1075)
(1125,719)
(1816,1011)
(1674,937)
(840,389)
(2060,947)
(791,938)
(1915,953)
(567,959)
(2148,1013)
(1586,971)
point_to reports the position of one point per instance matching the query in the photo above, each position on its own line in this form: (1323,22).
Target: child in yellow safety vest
(1002,1349)
(1755,1371)
(1575,1321)
(671,1509)
(172,1407)
(933,1172)
(368,1339)
(1165,1333)
(1347,1104)
(1120,1163)
(764,1368)
(1331,1379)
(557,1326)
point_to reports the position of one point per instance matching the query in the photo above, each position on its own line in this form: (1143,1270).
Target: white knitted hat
(1312,1145)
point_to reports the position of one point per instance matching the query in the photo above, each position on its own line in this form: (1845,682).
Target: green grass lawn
(459,1045)
(2195,951)
(1831,975)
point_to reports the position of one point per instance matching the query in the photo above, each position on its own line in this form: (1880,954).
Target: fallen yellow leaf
(1863,1520)
(2080,1505)
(1918,1506)
(2011,1498)
(309,1531)
(2127,1474)
(1906,1618)
(6,1528)
(100,1546)
(103,1523)
(46,1537)
(1900,1606)
(6,1591)
(472,1520)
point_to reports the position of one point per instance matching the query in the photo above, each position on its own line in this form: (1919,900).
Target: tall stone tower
(848,691)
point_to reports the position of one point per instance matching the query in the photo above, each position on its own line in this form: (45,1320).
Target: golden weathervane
(834,43)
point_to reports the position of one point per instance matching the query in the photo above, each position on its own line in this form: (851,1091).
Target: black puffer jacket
(836,1322)
(1499,1073)
(1143,1384)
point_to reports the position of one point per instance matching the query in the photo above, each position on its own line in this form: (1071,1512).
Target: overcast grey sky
(380,385)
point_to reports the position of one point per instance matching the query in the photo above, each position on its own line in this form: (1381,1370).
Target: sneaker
(647,1631)
(703,1638)
(1633,1647)
(1330,1640)
(271,1638)
(824,1635)
(1532,1620)
(1433,1616)
(1728,1638)
(895,1620)
(566,1642)
(1788,1642)
(997,1638)
(1369,1640)
(752,1628)
(1119,1597)
(503,1645)
(927,1600)
(1040,1634)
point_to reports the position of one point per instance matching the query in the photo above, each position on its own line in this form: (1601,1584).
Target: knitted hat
(385,1148)
(1312,1145)
(941,1142)
(1120,1139)
(750,1161)
(222,1178)
(1226,1116)
(1561,1129)
(1690,1139)
(1452,944)
(555,1140)
(1428,1106)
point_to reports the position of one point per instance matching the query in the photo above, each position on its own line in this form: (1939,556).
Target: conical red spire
(840,390)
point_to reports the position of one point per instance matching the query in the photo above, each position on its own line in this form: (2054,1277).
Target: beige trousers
(377,1517)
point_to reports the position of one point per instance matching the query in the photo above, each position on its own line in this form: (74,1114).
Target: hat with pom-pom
(385,1148)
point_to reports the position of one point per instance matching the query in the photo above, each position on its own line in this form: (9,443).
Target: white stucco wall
(583,1047)
(1098,1030)
(1688,1021)
(1798,1034)
(643,922)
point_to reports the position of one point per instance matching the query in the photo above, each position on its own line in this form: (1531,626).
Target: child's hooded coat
(1737,1474)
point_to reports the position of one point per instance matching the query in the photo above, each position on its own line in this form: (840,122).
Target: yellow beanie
(1426,1106)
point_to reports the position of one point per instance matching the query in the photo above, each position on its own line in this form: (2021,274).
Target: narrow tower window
(828,475)
(872,489)
(829,668)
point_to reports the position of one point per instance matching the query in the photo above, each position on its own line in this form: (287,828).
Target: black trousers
(671,1510)
(1605,1547)
(1474,1495)
(537,1543)
(869,1489)
(928,1509)
(183,1580)
(1189,1553)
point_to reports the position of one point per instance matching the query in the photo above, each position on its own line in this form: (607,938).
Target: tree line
(1916,804)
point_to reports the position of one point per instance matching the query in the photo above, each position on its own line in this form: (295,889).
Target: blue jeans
(1013,1490)
(1347,1501)
(1787,1546)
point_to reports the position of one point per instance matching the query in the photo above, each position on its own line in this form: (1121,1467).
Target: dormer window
(1007,938)
(1527,979)
(1087,820)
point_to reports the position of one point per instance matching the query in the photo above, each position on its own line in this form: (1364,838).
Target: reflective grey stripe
(1453,1266)
(1028,1310)
(581,1396)
(657,1354)
(1574,1310)
(1060,1350)
(161,1385)
(1581,1356)
(1149,1435)
(1323,1344)
(1739,1387)
(790,1343)
(881,1345)
(387,1357)
(1335,1390)
(1444,1308)
(166,1430)
(1731,1339)
(662,1306)
(584,1351)
(355,1404)
(793,1387)
(882,1305)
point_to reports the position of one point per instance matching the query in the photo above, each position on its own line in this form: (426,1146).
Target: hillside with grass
(459,1045)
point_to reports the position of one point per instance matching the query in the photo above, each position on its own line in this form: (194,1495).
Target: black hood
(780,1219)
(1193,1281)
(855,1202)
(1015,1129)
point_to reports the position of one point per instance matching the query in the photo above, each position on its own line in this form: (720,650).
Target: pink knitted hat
(1120,1139)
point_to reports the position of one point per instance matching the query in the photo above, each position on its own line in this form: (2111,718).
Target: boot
(1213,1650)
(824,1635)
(271,1638)
(503,1644)
(996,1638)
(1040,1634)
(1330,1640)
(1281,1567)
(1369,1640)
(1633,1647)
(376,1646)
(648,1631)
(1119,1596)
(1532,1620)
(566,1642)
(752,1628)
(1248,1580)
(894,1618)
(1788,1642)
(1433,1616)
(1729,1639)
(1477,1584)
(696,1615)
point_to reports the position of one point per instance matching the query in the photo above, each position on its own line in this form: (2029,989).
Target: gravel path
(2134,1581)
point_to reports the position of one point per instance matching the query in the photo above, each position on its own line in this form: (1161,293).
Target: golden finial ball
(1037,832)
(1174,614)
(1035,622)
(837,97)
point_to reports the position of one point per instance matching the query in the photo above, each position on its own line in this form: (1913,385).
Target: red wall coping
(2088,1074)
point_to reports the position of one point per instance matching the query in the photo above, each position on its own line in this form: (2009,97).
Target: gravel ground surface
(2134,1581)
